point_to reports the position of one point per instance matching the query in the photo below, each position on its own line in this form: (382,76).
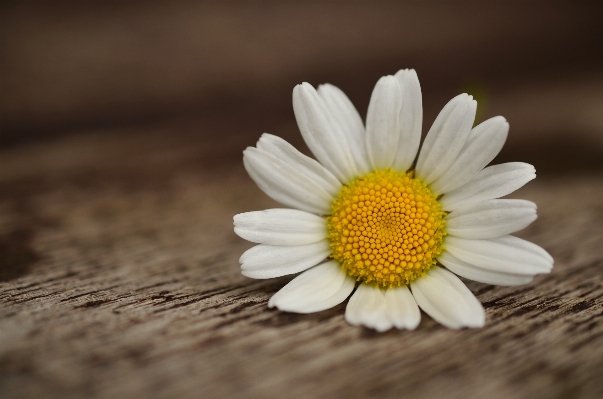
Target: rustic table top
(120,278)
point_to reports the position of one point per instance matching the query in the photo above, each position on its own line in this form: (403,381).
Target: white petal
(345,114)
(305,165)
(411,119)
(402,308)
(490,218)
(324,138)
(269,261)
(382,122)
(319,288)
(382,309)
(368,307)
(492,182)
(446,137)
(505,254)
(445,298)
(484,143)
(284,182)
(280,227)
(475,273)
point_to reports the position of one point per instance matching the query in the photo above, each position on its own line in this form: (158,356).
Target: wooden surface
(120,278)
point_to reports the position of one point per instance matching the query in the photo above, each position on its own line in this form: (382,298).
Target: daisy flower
(374,218)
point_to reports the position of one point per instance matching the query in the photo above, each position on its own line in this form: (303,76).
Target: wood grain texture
(121,279)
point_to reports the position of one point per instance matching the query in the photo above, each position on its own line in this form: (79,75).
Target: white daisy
(367,216)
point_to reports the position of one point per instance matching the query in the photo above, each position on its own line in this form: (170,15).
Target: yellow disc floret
(386,228)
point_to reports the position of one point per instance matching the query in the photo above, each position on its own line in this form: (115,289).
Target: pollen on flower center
(386,228)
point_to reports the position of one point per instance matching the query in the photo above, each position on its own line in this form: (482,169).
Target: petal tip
(271,303)
(247,151)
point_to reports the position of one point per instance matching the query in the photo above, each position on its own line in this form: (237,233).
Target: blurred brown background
(228,68)
(122,126)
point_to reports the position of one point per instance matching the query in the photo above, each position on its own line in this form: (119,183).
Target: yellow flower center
(386,228)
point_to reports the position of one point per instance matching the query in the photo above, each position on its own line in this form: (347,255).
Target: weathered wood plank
(121,280)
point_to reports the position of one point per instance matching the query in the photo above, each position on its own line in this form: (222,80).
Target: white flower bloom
(367,216)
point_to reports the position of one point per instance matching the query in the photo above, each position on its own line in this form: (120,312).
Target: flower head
(371,215)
